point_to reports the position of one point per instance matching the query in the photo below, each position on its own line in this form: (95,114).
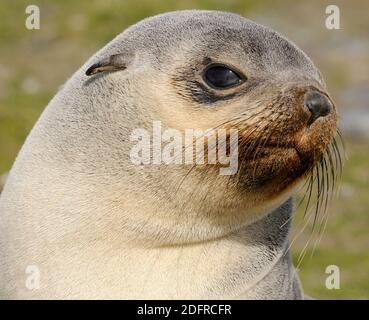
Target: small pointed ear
(112,63)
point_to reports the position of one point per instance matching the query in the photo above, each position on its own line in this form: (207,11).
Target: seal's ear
(112,63)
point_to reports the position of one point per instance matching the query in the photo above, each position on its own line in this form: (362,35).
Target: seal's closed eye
(112,63)
(221,77)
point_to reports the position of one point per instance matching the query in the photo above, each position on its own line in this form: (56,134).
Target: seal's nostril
(318,105)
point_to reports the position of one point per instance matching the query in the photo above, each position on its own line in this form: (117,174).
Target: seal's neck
(253,262)
(263,267)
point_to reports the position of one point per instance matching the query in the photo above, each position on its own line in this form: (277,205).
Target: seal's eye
(221,77)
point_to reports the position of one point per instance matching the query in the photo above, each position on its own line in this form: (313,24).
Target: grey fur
(62,207)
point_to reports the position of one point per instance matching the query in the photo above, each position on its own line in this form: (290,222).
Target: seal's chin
(277,166)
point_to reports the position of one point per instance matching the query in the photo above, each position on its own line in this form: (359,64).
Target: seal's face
(252,79)
(201,70)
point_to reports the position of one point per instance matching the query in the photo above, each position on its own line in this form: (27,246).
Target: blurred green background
(34,63)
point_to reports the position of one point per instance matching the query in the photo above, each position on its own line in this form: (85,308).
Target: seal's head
(201,70)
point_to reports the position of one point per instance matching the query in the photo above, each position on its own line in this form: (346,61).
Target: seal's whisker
(318,180)
(324,219)
(321,230)
(304,249)
(183,179)
(327,184)
(236,120)
(339,134)
(338,167)
(287,220)
(323,191)
(327,172)
(309,187)
(333,172)
(241,163)
(308,184)
(338,153)
(303,252)
(262,143)
(269,133)
(299,233)
(194,143)
(330,191)
(258,127)
(331,166)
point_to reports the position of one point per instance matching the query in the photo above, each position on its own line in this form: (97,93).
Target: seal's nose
(318,105)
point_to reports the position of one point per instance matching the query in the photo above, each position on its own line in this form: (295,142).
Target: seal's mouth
(289,146)
(297,155)
(257,153)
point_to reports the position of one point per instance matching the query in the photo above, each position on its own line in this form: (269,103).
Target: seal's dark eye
(221,77)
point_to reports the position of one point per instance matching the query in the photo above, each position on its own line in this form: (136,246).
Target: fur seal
(95,225)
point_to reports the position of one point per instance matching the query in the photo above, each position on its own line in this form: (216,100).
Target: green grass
(72,30)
